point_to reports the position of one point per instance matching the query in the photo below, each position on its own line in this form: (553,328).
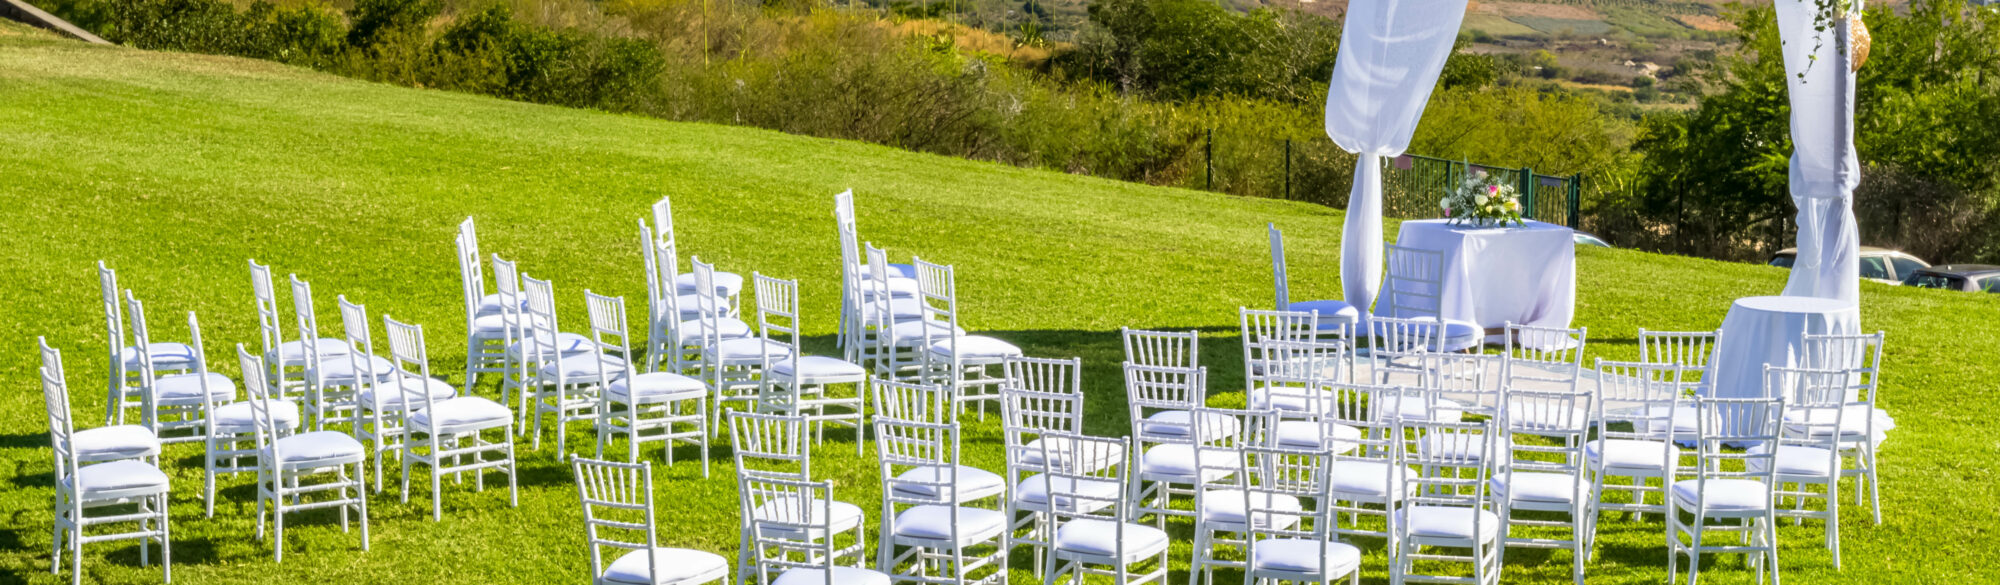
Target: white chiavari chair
(1636,402)
(775,446)
(1414,289)
(1221,519)
(662,407)
(676,319)
(1095,532)
(1863,427)
(801,385)
(1448,505)
(1334,316)
(230,433)
(486,335)
(125,377)
(1289,543)
(1542,471)
(1808,453)
(1030,415)
(451,435)
(1728,485)
(383,405)
(173,406)
(732,367)
(301,471)
(1293,382)
(897,328)
(728,285)
(573,372)
(120,491)
(926,513)
(931,405)
(1259,327)
(1367,478)
(1694,351)
(1543,358)
(332,381)
(1162,403)
(618,513)
(961,362)
(286,358)
(101,444)
(1171,349)
(857,291)
(1398,349)
(792,525)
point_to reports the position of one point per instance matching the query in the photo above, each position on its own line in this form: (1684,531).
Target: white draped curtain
(1391,52)
(1824,168)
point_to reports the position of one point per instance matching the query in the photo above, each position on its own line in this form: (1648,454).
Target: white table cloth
(1495,275)
(1772,330)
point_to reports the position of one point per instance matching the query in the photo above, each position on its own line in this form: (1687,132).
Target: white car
(1878,264)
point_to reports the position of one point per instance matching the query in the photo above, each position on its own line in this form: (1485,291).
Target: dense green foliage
(175,169)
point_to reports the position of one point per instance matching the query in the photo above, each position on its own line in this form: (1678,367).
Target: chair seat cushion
(900,310)
(820,367)
(973,483)
(339,370)
(900,287)
(1072,495)
(1308,434)
(167,355)
(464,413)
(910,333)
(583,368)
(1061,450)
(1100,538)
(1227,507)
(1302,556)
(691,331)
(976,348)
(1450,522)
(1524,486)
(747,350)
(412,396)
(491,304)
(294,352)
(186,388)
(845,516)
(727,284)
(1331,313)
(240,417)
(841,576)
(656,387)
(114,442)
(1458,335)
(932,522)
(1631,455)
(1724,495)
(1372,480)
(567,343)
(1177,460)
(670,565)
(1797,461)
(1817,422)
(1444,410)
(319,448)
(126,476)
(1291,399)
(1176,423)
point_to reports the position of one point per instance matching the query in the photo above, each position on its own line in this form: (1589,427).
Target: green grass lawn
(175,169)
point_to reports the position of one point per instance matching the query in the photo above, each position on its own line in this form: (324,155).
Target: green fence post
(1288,169)
(1576,201)
(1526,178)
(1208,160)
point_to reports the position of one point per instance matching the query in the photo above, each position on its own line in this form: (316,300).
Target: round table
(1772,330)
(1495,275)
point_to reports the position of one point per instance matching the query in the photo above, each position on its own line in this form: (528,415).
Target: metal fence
(1317,171)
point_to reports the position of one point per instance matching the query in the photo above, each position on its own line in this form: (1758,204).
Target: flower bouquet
(1482,200)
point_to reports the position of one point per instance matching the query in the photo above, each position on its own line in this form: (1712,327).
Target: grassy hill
(176,168)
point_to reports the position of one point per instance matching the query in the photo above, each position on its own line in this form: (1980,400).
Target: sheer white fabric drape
(1824,167)
(1391,52)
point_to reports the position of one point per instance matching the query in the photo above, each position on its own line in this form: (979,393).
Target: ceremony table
(1495,275)
(1772,330)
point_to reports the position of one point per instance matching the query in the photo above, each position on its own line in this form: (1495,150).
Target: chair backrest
(265,429)
(1543,358)
(361,343)
(1450,462)
(1278,276)
(662,293)
(708,303)
(1723,426)
(1414,286)
(114,320)
(307,322)
(208,403)
(1220,434)
(539,324)
(1816,401)
(1069,462)
(609,334)
(778,319)
(1473,380)
(912,401)
(471,275)
(1150,389)
(770,444)
(880,315)
(1293,359)
(1372,410)
(790,527)
(1027,415)
(1258,326)
(902,446)
(1056,376)
(507,284)
(149,402)
(618,512)
(1393,343)
(1173,349)
(270,327)
(1859,354)
(1682,348)
(55,396)
(1274,477)
(663,219)
(1638,401)
(1546,426)
(937,287)
(412,363)
(850,246)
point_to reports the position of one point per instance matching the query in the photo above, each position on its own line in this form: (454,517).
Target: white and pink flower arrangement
(1482,200)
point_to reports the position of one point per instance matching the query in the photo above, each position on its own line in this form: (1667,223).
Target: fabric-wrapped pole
(1391,52)
(1824,169)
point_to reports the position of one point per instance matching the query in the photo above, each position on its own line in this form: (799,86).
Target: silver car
(1878,264)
